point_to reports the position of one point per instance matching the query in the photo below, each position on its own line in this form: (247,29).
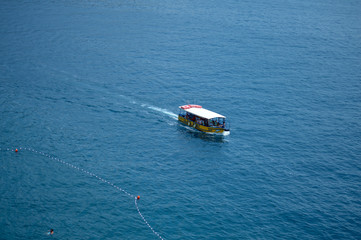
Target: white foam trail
(161,110)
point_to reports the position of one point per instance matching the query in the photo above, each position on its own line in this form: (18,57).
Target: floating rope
(92,175)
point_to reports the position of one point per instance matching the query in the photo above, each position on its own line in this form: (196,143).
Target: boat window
(182,112)
(216,122)
(190,116)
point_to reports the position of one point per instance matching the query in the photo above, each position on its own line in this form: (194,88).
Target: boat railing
(211,123)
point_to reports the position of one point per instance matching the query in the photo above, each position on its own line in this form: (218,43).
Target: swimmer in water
(51,232)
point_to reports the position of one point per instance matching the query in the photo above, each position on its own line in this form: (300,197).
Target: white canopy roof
(202,112)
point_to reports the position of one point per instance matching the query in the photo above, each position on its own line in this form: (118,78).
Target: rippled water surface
(89,94)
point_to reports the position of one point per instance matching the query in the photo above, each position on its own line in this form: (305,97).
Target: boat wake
(164,111)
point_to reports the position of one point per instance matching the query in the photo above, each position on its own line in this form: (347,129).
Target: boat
(203,120)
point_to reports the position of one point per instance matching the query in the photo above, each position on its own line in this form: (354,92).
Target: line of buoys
(137,198)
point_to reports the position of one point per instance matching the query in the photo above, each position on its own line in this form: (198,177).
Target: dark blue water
(97,84)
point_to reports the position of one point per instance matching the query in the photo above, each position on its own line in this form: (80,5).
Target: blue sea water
(97,84)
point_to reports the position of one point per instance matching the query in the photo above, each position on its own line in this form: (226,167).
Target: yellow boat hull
(201,127)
